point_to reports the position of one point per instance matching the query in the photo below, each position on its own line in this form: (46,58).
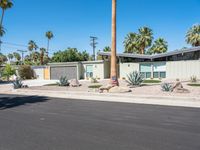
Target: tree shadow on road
(7,102)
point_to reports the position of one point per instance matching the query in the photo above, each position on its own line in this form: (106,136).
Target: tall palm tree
(159,46)
(17,56)
(107,49)
(2,31)
(32,46)
(114,77)
(5,4)
(193,35)
(130,43)
(145,38)
(42,54)
(49,35)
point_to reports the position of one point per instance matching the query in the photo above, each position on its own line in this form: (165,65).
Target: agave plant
(135,78)
(166,87)
(63,81)
(17,84)
(193,79)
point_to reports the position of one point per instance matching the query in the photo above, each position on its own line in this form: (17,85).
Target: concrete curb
(112,97)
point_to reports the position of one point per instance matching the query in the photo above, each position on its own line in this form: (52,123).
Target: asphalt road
(40,123)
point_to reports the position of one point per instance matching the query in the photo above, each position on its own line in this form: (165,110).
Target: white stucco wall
(182,69)
(126,68)
(39,72)
(98,69)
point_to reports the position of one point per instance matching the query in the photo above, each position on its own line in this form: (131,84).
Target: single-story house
(175,64)
(78,70)
(180,64)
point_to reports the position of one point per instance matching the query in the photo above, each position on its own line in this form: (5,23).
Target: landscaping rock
(75,83)
(105,88)
(118,89)
(178,88)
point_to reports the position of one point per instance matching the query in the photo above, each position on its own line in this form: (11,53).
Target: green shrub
(94,80)
(193,79)
(25,72)
(17,84)
(151,81)
(63,81)
(166,87)
(135,78)
(194,84)
(94,86)
(8,71)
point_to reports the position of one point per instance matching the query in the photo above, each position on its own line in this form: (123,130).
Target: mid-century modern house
(180,64)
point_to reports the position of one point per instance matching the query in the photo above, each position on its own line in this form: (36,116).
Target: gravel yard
(147,89)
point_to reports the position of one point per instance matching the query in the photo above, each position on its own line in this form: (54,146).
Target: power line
(93,44)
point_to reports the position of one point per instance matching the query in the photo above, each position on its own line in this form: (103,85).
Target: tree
(193,35)
(70,55)
(130,43)
(10,56)
(3,59)
(42,54)
(32,46)
(17,56)
(107,49)
(145,38)
(2,31)
(4,4)
(159,46)
(49,35)
(8,71)
(114,78)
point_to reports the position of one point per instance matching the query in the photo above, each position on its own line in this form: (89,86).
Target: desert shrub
(8,71)
(194,84)
(152,81)
(25,72)
(193,79)
(166,87)
(94,80)
(17,84)
(95,86)
(135,78)
(63,81)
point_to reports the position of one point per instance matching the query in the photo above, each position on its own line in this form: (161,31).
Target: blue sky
(73,21)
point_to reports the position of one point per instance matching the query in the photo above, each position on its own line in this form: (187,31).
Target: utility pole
(93,44)
(22,52)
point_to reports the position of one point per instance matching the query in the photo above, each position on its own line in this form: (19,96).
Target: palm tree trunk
(114,78)
(2,16)
(47,47)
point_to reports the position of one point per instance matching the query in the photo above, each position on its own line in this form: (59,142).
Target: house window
(162,74)
(156,75)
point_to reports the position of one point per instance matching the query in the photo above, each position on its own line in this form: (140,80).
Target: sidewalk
(110,97)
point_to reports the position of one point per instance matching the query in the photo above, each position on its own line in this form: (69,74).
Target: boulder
(118,89)
(75,83)
(105,88)
(178,88)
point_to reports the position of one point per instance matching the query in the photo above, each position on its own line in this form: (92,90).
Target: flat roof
(150,57)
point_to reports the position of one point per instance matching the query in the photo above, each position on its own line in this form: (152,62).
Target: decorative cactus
(17,84)
(135,78)
(166,87)
(63,81)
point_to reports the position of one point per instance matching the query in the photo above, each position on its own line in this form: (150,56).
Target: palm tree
(49,35)
(130,43)
(4,4)
(159,46)
(10,56)
(193,36)
(42,54)
(114,78)
(32,46)
(144,39)
(17,56)
(107,49)
(2,31)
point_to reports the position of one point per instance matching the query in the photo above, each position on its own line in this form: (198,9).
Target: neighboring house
(176,64)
